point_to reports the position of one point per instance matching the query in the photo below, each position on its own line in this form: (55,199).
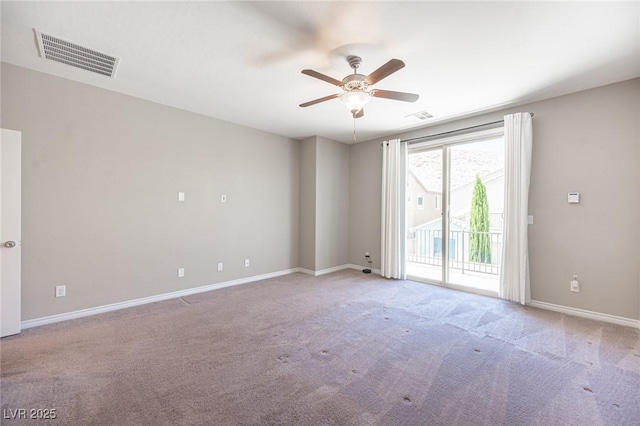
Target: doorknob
(10,244)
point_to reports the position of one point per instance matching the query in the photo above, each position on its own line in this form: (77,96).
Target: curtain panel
(518,138)
(394,178)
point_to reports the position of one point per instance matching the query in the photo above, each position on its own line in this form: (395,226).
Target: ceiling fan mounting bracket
(354,62)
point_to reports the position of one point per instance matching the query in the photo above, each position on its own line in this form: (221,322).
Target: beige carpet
(345,348)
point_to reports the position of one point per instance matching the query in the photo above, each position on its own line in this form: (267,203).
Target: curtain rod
(453,131)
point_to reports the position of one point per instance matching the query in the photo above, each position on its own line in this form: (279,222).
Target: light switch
(530,219)
(180,272)
(575,286)
(223,199)
(180,196)
(61,290)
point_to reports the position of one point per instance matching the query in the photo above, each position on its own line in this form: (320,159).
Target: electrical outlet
(246,263)
(61,290)
(180,272)
(220,266)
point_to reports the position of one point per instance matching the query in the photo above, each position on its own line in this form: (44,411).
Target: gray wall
(586,142)
(332,201)
(101,173)
(308,204)
(324,204)
(365,211)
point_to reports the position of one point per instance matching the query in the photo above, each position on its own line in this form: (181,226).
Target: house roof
(467,165)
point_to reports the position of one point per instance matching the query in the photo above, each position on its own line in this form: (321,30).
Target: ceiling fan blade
(397,96)
(322,77)
(384,71)
(317,101)
(359,113)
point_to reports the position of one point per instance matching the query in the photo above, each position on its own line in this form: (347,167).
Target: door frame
(444,144)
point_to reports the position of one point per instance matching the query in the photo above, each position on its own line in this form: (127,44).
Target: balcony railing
(425,246)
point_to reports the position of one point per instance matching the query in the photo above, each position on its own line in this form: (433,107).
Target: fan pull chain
(354,130)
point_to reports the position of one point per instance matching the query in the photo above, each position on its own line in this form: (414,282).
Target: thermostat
(573,197)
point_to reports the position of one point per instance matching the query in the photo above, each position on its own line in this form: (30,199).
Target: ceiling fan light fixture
(355,100)
(356,91)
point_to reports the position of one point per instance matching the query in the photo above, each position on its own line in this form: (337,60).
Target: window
(446,171)
(437,248)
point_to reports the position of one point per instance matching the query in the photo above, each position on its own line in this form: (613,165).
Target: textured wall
(101,173)
(586,142)
(365,211)
(324,204)
(332,213)
(308,203)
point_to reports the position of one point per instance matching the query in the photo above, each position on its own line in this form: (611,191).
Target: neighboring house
(423,204)
(424,209)
(460,202)
(424,184)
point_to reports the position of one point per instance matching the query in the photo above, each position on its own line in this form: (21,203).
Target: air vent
(66,52)
(422,115)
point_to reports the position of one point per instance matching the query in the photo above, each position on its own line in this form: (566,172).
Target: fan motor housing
(354,82)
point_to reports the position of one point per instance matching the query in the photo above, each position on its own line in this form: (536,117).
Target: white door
(10,232)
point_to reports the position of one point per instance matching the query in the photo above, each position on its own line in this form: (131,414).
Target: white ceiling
(241,61)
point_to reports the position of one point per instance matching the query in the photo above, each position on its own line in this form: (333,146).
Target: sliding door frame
(444,144)
(446,176)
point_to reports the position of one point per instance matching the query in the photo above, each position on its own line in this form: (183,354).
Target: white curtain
(518,138)
(394,173)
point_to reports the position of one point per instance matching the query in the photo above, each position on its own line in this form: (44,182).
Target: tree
(479,241)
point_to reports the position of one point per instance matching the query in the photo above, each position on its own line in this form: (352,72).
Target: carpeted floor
(344,348)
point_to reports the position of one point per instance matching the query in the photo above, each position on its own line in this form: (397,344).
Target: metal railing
(425,246)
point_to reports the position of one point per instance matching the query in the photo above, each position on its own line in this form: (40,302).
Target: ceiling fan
(356,86)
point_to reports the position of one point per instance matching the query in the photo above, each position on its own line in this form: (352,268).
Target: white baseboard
(330,270)
(334,269)
(360,268)
(181,293)
(151,299)
(585,314)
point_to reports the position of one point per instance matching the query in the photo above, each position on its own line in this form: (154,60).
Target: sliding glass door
(455,199)
(424,214)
